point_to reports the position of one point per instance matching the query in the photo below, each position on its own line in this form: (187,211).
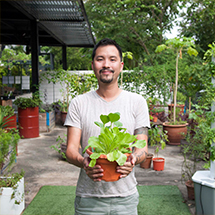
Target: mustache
(106,69)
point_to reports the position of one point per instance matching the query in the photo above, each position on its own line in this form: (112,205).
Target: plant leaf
(113,117)
(92,163)
(139,144)
(99,124)
(121,159)
(104,119)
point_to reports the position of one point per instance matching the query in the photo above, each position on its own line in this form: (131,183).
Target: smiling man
(94,196)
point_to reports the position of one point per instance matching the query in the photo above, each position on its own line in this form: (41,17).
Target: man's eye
(100,59)
(113,59)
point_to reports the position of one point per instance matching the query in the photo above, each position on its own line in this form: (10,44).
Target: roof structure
(60,23)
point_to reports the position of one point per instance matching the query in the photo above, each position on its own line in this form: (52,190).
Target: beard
(104,78)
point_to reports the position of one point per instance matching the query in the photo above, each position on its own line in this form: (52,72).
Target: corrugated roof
(60,22)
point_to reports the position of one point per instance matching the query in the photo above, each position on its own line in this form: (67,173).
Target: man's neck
(109,93)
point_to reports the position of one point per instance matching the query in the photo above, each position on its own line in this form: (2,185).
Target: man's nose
(106,64)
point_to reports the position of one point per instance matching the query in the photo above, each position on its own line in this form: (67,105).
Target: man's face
(107,64)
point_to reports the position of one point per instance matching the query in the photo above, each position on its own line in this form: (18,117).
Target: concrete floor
(44,166)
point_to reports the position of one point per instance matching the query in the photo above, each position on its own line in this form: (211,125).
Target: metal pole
(212,164)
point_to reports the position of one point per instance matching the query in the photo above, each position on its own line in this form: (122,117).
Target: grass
(158,199)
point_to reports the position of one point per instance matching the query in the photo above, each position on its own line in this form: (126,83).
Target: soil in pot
(158,163)
(147,163)
(190,189)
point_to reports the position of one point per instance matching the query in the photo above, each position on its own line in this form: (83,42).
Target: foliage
(57,147)
(203,135)
(178,45)
(77,58)
(8,110)
(72,84)
(11,59)
(113,140)
(43,108)
(158,138)
(199,22)
(8,140)
(5,113)
(23,102)
(145,21)
(12,182)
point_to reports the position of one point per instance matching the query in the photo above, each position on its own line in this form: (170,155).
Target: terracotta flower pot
(175,133)
(190,189)
(63,117)
(155,119)
(147,163)
(109,167)
(158,163)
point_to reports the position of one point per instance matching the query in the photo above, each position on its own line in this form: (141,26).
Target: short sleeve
(73,115)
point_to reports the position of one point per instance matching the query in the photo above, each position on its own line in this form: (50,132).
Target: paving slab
(44,166)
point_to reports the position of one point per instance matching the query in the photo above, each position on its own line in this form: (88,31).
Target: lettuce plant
(113,140)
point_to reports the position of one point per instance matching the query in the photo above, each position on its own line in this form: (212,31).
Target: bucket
(28,122)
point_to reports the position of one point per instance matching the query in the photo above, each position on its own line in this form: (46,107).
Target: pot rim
(165,124)
(158,159)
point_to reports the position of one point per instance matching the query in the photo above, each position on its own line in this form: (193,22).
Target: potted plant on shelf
(112,147)
(158,139)
(28,116)
(178,45)
(11,186)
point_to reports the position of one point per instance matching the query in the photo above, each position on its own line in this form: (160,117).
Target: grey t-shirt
(83,111)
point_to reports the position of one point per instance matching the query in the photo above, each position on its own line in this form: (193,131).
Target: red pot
(158,163)
(110,173)
(147,163)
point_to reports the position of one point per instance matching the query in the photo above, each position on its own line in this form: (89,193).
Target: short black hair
(105,42)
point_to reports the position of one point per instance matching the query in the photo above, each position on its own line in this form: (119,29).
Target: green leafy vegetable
(113,140)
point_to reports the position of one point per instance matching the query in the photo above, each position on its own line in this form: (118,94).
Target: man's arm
(138,155)
(73,144)
(74,157)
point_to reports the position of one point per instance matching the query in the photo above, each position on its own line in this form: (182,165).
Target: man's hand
(95,173)
(128,166)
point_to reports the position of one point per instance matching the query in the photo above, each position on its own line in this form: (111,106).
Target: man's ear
(122,65)
(92,66)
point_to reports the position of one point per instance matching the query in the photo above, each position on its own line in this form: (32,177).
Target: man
(94,196)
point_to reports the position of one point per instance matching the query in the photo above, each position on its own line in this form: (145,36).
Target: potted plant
(198,146)
(112,147)
(158,138)
(8,117)
(178,45)
(28,116)
(11,186)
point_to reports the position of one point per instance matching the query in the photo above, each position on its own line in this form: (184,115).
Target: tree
(178,45)
(199,22)
(138,26)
